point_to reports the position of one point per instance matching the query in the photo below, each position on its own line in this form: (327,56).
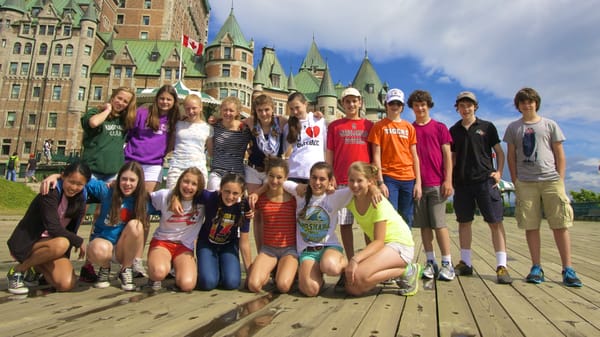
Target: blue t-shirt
(100,191)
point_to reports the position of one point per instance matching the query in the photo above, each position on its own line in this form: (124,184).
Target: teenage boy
(536,161)
(346,143)
(476,182)
(435,159)
(394,147)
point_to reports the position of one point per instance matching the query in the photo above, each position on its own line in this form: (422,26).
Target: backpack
(11,162)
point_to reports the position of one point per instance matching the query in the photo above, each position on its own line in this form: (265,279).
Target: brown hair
(128,119)
(294,126)
(528,94)
(153,120)
(420,96)
(320,165)
(139,206)
(176,192)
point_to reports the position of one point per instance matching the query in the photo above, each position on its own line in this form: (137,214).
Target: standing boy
(435,159)
(11,167)
(394,148)
(347,142)
(476,181)
(536,161)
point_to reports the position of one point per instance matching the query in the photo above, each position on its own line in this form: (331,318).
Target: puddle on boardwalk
(241,311)
(33,293)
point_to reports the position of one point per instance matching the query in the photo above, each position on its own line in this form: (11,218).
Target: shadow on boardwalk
(467,306)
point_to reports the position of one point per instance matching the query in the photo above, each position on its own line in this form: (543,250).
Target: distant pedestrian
(11,167)
(30,169)
(48,150)
(537,165)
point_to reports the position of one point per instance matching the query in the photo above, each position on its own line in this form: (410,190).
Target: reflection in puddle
(239,313)
(132,299)
(33,293)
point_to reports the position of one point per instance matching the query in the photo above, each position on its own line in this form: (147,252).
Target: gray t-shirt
(533,144)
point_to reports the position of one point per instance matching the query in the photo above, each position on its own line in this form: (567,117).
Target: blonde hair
(193,98)
(370,171)
(236,102)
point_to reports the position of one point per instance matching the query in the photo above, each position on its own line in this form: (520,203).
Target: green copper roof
(291,83)
(91,14)
(369,84)
(307,84)
(140,52)
(232,28)
(268,68)
(17,5)
(313,59)
(327,88)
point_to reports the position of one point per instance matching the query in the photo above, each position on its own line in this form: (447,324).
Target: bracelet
(379,182)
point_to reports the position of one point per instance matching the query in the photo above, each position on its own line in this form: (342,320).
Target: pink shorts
(174,248)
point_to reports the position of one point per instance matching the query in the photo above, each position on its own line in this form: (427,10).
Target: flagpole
(180,57)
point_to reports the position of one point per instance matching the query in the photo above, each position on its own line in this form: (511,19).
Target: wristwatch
(379,182)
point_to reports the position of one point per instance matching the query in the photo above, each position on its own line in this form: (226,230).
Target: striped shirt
(279,222)
(229,148)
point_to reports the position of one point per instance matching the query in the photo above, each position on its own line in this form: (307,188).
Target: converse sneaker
(31,278)
(138,268)
(446,272)
(431,270)
(154,285)
(16,284)
(102,280)
(126,277)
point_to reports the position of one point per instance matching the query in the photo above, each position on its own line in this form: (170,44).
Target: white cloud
(493,46)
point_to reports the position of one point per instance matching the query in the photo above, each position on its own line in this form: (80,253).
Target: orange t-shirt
(395,140)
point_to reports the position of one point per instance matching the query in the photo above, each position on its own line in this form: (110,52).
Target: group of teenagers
(295,180)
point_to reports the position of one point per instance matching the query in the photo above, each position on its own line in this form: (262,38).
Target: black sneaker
(87,274)
(462,269)
(503,276)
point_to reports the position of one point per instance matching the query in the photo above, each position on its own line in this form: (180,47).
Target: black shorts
(484,195)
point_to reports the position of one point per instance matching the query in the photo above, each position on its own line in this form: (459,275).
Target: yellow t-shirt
(396,229)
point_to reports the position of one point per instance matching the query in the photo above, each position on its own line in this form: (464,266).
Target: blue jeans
(401,197)
(11,175)
(218,265)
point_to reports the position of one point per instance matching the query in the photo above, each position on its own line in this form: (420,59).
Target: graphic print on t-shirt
(220,231)
(314,226)
(529,148)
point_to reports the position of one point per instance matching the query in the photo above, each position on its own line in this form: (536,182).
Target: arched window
(58,50)
(27,49)
(69,50)
(43,49)
(17,48)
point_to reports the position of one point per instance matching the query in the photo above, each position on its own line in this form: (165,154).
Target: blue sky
(488,47)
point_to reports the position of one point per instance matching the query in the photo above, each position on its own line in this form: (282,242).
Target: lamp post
(28,77)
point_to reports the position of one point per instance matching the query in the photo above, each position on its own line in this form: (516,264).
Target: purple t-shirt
(145,145)
(430,138)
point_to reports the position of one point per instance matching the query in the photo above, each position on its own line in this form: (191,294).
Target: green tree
(585,196)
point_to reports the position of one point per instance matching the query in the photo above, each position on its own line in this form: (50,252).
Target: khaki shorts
(430,210)
(551,194)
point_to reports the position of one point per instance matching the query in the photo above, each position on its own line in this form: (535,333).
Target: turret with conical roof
(231,31)
(327,97)
(91,13)
(313,61)
(16,5)
(368,83)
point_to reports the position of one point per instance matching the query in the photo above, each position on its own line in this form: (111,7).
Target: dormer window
(109,54)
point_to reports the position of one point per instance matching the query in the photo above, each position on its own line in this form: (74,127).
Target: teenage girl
(391,248)
(191,135)
(316,241)
(224,235)
(173,242)
(44,237)
(153,134)
(228,145)
(277,209)
(104,131)
(306,136)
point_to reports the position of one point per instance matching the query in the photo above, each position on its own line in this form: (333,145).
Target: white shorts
(174,173)
(253,176)
(214,182)
(152,173)
(406,253)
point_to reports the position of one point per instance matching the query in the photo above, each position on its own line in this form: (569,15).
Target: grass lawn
(15,197)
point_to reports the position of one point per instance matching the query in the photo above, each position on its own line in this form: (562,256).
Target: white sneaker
(154,285)
(446,272)
(126,277)
(138,268)
(103,281)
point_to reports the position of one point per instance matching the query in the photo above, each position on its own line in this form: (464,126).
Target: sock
(501,258)
(447,259)
(465,256)
(430,256)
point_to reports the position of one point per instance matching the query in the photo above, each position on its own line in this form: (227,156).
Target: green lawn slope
(15,197)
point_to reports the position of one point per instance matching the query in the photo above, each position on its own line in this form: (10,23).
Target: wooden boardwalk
(467,306)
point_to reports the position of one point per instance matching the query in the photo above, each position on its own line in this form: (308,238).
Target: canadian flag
(196,46)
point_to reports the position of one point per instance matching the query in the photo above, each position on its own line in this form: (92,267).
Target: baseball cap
(350,92)
(466,94)
(394,95)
